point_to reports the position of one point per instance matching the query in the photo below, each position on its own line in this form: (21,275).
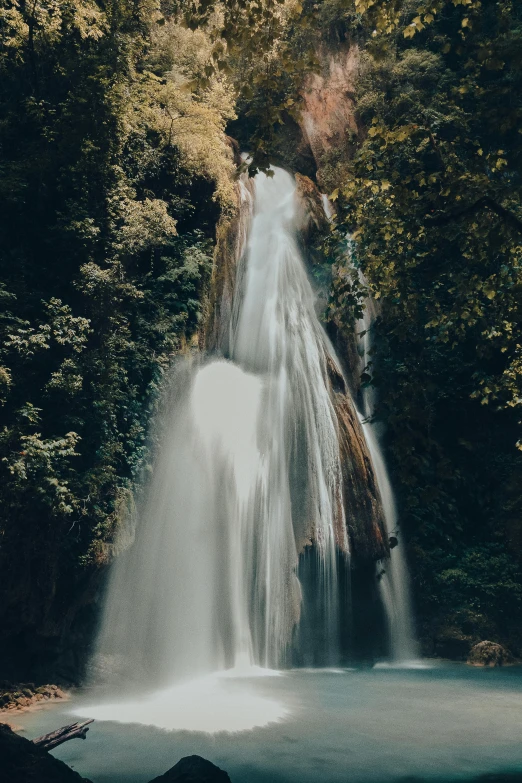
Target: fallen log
(55,738)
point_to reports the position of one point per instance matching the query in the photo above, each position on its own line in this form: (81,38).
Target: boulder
(23,762)
(489,654)
(193,769)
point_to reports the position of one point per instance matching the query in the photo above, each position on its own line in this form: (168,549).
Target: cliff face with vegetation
(118,223)
(115,172)
(427,181)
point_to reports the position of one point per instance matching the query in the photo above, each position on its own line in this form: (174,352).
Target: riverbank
(17,698)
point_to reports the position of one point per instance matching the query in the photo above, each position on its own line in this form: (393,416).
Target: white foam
(413,664)
(211,704)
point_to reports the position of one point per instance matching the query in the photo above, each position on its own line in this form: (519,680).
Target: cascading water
(242,549)
(393,578)
(276,335)
(248,477)
(393,574)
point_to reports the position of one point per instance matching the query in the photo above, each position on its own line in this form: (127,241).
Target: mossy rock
(489,654)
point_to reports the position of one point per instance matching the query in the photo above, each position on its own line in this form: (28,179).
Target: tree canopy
(114,171)
(431,193)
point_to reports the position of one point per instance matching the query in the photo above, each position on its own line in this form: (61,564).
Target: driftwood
(73,731)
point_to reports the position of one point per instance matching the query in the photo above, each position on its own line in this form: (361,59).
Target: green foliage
(433,199)
(269,83)
(114,172)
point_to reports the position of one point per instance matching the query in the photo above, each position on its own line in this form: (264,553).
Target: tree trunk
(74,730)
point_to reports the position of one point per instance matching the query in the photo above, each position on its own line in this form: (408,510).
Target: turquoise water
(450,722)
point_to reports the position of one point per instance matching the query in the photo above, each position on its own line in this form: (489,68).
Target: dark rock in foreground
(193,769)
(23,762)
(489,654)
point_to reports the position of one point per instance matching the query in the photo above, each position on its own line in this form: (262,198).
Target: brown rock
(236,151)
(362,503)
(489,654)
(328,120)
(311,218)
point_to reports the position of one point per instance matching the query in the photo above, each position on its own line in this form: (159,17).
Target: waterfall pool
(448,722)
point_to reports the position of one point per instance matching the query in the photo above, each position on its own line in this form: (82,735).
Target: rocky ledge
(20,696)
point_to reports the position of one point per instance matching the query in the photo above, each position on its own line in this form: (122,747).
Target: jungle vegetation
(114,172)
(431,192)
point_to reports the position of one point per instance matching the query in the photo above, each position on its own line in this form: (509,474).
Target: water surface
(450,722)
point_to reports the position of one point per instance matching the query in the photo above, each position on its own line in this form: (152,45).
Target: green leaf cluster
(114,170)
(432,196)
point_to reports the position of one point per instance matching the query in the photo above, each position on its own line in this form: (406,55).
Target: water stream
(242,547)
(393,574)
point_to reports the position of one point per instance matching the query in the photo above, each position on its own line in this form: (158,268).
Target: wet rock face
(328,120)
(231,237)
(311,219)
(489,654)
(23,762)
(193,769)
(363,507)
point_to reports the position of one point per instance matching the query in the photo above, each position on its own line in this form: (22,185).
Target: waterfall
(241,551)
(393,573)
(247,482)
(276,334)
